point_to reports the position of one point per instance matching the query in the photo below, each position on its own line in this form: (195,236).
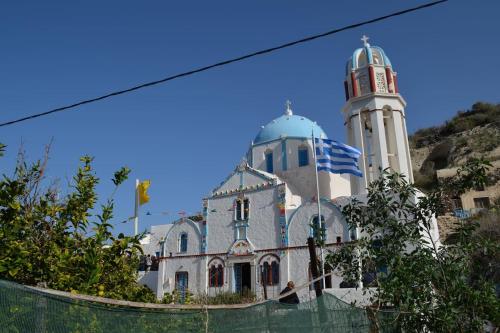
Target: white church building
(255,224)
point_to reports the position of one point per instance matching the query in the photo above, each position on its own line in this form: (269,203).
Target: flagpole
(320,231)
(136,211)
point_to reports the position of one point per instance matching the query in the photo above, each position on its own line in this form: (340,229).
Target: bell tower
(374,116)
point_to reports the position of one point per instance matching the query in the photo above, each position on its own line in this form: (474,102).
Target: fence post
(263,283)
(314,265)
(41,308)
(317,285)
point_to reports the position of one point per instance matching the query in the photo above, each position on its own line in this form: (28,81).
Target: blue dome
(367,55)
(289,126)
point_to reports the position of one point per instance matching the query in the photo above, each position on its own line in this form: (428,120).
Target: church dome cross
(365,41)
(288,110)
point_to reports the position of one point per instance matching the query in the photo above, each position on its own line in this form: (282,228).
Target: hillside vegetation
(471,133)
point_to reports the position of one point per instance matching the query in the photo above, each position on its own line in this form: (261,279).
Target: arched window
(318,232)
(242,210)
(362,60)
(269,161)
(390,139)
(212,275)
(241,214)
(238,204)
(246,208)
(266,274)
(183,242)
(220,274)
(270,272)
(303,154)
(377,57)
(275,272)
(216,275)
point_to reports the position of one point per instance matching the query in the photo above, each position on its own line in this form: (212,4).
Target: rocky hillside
(471,133)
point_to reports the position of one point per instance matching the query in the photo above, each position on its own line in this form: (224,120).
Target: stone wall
(446,224)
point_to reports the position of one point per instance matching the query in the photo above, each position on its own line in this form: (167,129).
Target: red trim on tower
(372,78)
(346,89)
(354,85)
(395,78)
(388,76)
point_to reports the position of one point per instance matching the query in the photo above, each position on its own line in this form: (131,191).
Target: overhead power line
(222,63)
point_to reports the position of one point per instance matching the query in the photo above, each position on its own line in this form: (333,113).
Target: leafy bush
(177,298)
(486,263)
(226,297)
(435,288)
(61,243)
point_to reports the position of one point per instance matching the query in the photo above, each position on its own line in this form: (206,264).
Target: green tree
(429,284)
(60,242)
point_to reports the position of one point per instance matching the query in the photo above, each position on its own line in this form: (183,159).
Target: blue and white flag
(337,157)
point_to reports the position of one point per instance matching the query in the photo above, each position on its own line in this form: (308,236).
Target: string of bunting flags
(164,213)
(245,188)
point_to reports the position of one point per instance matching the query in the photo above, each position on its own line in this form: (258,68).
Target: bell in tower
(374,116)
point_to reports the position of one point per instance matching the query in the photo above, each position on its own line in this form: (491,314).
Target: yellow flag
(142,189)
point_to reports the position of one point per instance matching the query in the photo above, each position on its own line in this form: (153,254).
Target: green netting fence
(24,309)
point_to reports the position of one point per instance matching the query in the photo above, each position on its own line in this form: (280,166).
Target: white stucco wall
(388,141)
(301,179)
(299,260)
(193,265)
(233,182)
(244,178)
(434,230)
(299,225)
(263,224)
(263,233)
(291,153)
(250,179)
(273,290)
(299,269)
(172,238)
(354,105)
(151,243)
(149,279)
(258,155)
(292,198)
(220,230)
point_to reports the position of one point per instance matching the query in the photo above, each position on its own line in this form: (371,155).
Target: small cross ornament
(365,40)
(288,105)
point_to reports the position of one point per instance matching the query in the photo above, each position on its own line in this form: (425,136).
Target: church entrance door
(242,277)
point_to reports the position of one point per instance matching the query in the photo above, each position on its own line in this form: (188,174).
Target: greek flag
(337,157)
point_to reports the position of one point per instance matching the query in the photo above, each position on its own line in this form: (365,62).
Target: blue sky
(188,135)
